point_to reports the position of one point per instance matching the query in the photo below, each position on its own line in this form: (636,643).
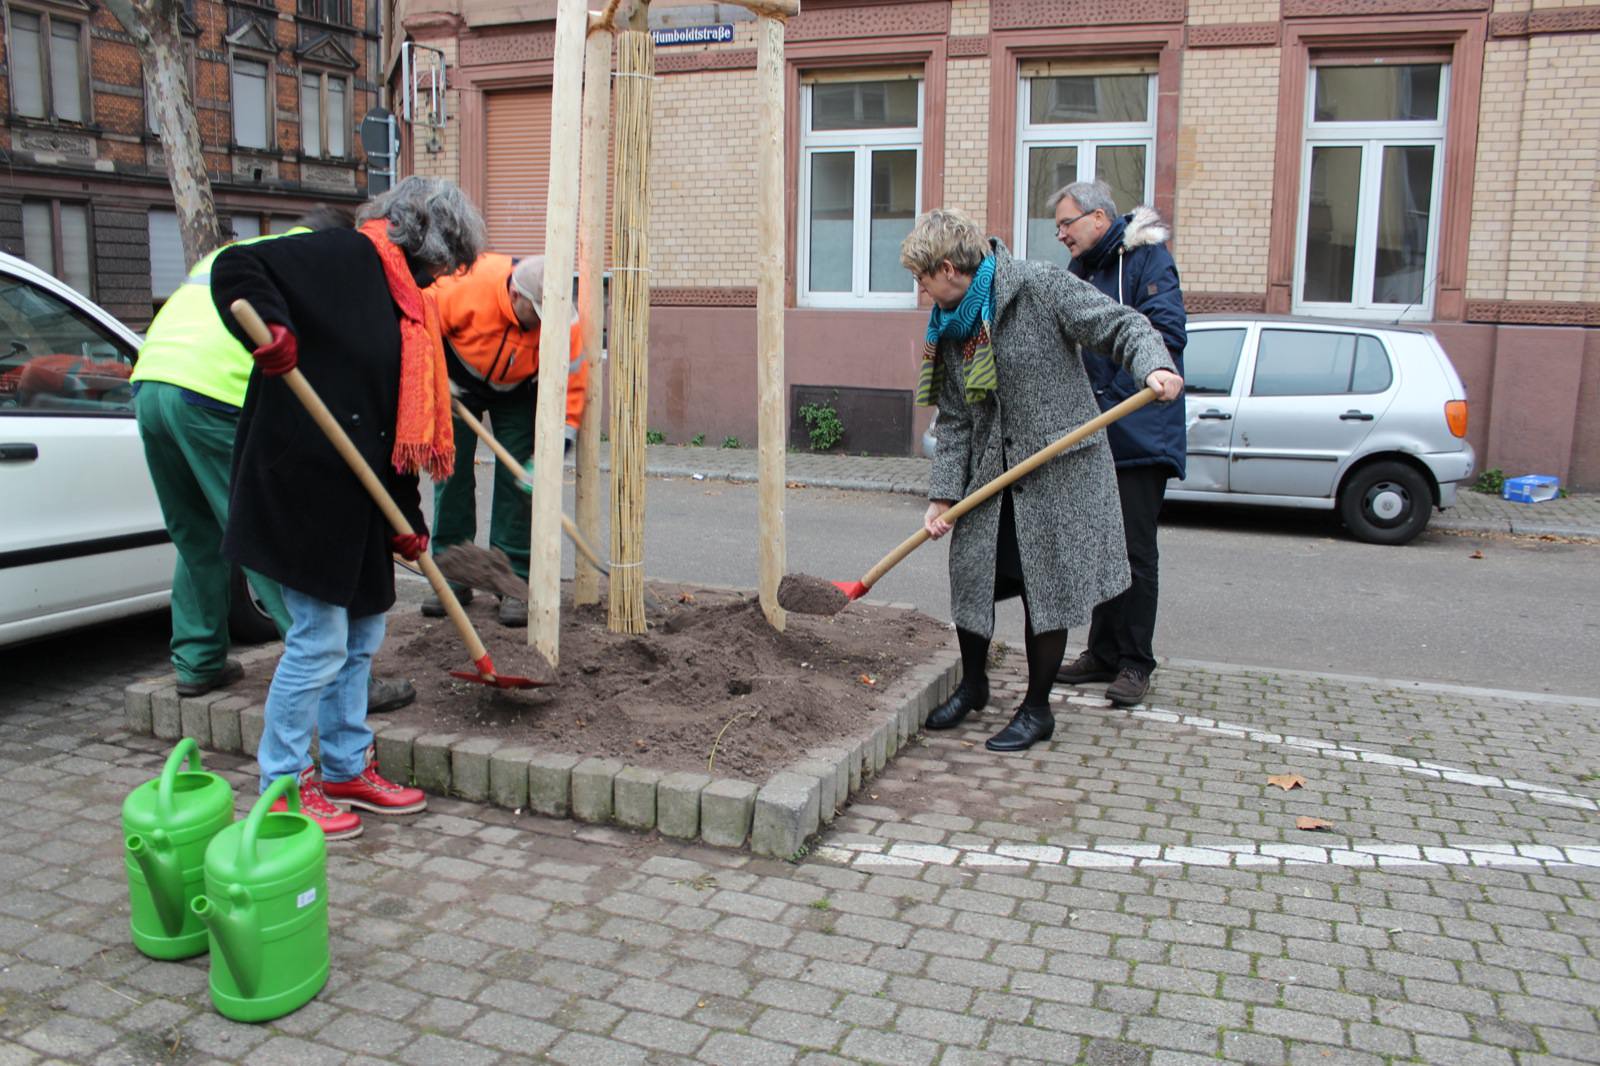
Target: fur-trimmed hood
(1144,227)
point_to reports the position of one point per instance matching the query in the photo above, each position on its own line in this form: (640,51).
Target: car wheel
(248,621)
(1386,503)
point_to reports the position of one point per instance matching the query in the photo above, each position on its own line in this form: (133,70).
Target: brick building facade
(1426,160)
(280,88)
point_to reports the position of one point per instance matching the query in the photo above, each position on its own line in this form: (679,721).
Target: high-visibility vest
(187,345)
(476,316)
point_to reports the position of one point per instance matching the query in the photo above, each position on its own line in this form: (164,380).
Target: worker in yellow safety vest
(189,386)
(491,315)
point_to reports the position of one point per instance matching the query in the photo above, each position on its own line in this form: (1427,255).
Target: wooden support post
(771,420)
(630,323)
(560,236)
(591,295)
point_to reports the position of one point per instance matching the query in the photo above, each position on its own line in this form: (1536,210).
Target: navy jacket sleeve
(1159,296)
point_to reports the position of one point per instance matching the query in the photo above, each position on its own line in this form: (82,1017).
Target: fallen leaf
(1476,554)
(1286,781)
(1304,822)
(867,679)
(687,597)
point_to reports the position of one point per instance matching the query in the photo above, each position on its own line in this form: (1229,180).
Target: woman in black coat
(346,307)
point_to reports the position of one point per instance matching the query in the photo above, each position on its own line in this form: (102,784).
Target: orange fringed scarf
(423,439)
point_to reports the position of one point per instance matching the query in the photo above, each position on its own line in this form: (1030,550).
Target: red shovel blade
(853,590)
(485,675)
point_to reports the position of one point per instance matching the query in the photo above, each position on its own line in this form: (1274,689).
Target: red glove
(281,356)
(409,546)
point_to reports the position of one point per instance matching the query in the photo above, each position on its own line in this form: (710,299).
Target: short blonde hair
(943,234)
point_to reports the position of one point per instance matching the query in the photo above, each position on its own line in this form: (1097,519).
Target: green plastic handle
(169,772)
(286,786)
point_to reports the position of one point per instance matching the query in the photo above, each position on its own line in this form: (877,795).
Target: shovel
(484,672)
(527,479)
(854,590)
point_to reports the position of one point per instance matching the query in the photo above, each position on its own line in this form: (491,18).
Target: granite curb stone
(594,789)
(678,804)
(430,761)
(394,745)
(725,810)
(136,705)
(508,777)
(225,732)
(550,784)
(634,797)
(785,815)
(469,767)
(166,716)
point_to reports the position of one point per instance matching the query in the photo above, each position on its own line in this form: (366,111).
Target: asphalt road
(1244,586)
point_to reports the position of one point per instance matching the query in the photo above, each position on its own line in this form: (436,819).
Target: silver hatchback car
(1367,419)
(1363,418)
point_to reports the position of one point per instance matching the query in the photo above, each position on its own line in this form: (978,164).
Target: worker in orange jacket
(490,316)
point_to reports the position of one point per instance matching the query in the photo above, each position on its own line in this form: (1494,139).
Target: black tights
(1044,659)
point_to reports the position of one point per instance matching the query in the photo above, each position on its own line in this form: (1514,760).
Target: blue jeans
(327,660)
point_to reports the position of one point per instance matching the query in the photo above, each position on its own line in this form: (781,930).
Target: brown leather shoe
(1129,687)
(1084,670)
(232,670)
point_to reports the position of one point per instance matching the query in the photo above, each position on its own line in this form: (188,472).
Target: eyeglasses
(1062,227)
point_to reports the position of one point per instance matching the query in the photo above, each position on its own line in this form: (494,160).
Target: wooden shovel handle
(516,468)
(1021,470)
(257,329)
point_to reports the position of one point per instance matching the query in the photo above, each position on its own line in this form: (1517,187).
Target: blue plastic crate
(1531,488)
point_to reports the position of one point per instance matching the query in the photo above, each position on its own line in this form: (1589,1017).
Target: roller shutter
(517,170)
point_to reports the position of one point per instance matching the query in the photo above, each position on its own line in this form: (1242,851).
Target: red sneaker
(336,823)
(372,792)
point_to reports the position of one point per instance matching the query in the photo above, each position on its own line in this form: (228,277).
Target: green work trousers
(189,449)
(455,502)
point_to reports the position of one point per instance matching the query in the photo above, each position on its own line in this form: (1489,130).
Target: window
(245,226)
(860,189)
(55,238)
(324,115)
(47,64)
(251,118)
(337,11)
(1374,152)
(1079,124)
(54,359)
(1304,363)
(1210,359)
(166,254)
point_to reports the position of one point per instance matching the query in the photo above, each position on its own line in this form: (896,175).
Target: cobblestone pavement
(1577,515)
(1134,892)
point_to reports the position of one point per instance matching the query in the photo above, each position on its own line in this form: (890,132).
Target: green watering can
(166,825)
(266,905)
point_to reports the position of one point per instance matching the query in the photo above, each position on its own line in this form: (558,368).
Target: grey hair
(941,234)
(432,221)
(1090,196)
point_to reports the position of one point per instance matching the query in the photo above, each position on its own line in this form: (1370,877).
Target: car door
(1314,394)
(83,537)
(1210,397)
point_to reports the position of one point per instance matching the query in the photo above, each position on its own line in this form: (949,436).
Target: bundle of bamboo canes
(630,324)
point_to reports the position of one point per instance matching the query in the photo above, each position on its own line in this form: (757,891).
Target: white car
(82,538)
(1366,419)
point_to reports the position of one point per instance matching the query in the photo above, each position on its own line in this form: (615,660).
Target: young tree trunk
(157,34)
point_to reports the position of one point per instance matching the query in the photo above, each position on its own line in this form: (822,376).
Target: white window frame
(324,98)
(270,107)
(864,143)
(1086,137)
(47,20)
(1372,138)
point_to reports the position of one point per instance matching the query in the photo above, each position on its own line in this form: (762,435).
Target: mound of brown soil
(709,671)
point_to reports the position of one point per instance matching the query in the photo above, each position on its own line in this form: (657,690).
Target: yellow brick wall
(1204,12)
(969,17)
(702,181)
(1505,70)
(966,139)
(1225,158)
(1554,230)
(436,153)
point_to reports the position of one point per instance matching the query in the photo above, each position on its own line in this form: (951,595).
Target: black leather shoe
(961,703)
(433,606)
(1129,687)
(232,670)
(1028,726)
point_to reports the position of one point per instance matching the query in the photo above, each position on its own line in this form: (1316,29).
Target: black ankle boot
(961,703)
(1028,726)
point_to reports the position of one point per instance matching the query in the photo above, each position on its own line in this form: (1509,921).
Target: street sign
(379,139)
(693,35)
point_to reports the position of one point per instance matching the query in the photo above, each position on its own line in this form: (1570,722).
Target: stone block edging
(775,818)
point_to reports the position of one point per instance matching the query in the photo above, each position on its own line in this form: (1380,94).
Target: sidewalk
(1575,516)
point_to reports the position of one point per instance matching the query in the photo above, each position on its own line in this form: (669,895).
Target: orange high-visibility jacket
(475,313)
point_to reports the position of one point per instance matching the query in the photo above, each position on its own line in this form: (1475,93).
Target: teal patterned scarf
(971,324)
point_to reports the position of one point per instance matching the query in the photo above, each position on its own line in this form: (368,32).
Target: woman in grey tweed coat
(1002,363)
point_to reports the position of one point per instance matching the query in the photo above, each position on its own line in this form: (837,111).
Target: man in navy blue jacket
(1126,257)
